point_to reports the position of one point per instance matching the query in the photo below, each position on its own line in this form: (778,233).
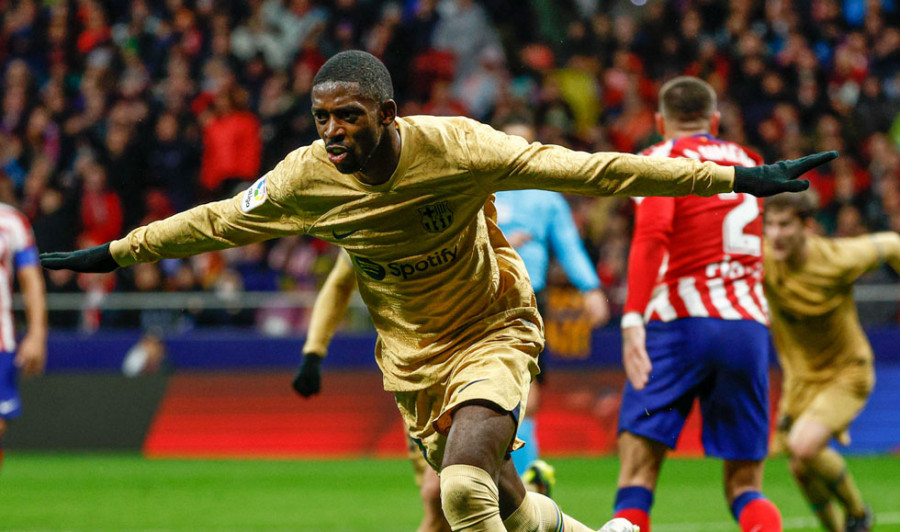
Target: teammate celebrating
(706,333)
(826,358)
(458,331)
(18,255)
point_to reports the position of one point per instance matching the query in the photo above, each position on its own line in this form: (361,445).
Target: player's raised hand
(771,179)
(308,381)
(634,356)
(92,260)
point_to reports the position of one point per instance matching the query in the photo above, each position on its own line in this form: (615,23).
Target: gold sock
(832,468)
(819,496)
(470,499)
(539,513)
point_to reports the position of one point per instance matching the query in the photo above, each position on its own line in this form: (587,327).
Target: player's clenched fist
(308,381)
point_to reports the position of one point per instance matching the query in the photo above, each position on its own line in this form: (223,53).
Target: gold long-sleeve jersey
(814,323)
(434,270)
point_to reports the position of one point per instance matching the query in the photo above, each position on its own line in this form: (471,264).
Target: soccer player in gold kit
(458,329)
(826,357)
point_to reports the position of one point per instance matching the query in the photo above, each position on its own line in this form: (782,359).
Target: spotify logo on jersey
(403,270)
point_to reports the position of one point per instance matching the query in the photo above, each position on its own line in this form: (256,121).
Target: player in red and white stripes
(19,257)
(695,323)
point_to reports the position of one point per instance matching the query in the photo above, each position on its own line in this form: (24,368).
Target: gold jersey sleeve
(330,306)
(435,272)
(503,162)
(814,322)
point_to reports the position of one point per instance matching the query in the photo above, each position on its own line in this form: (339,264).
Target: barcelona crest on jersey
(436,217)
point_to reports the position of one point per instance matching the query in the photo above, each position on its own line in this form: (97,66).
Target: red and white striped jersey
(698,257)
(16,246)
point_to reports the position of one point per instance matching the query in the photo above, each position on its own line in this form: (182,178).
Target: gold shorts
(834,403)
(498,370)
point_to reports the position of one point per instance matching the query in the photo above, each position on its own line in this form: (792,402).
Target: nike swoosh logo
(470,383)
(341,236)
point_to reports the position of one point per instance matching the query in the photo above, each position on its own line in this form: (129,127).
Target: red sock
(760,515)
(636,516)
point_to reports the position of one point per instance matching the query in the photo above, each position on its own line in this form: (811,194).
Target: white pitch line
(790,523)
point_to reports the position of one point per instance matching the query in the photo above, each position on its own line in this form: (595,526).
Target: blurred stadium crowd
(120,112)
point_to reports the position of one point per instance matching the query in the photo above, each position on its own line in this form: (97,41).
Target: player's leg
(10,403)
(640,460)
(813,489)
(480,435)
(474,460)
(650,420)
(831,410)
(735,408)
(817,465)
(818,495)
(743,490)
(484,399)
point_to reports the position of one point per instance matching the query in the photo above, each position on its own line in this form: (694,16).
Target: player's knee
(468,495)
(803,449)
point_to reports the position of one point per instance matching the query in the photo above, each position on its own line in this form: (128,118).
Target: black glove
(309,379)
(92,260)
(771,179)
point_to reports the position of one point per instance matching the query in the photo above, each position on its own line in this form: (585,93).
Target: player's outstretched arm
(97,259)
(503,162)
(771,179)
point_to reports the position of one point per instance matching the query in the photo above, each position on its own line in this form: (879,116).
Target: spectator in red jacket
(101,209)
(231,144)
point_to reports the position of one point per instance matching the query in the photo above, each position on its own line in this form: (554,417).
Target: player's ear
(660,123)
(714,122)
(388,112)
(811,226)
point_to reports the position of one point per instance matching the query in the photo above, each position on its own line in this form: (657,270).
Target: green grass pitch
(127,493)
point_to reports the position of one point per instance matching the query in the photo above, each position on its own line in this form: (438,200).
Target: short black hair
(356,66)
(803,204)
(687,99)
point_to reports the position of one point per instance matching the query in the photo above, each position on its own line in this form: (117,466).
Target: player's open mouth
(336,154)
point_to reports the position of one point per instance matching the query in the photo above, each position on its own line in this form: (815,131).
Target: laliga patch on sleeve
(255,195)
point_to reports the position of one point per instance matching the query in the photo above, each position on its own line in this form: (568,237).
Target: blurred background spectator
(116,113)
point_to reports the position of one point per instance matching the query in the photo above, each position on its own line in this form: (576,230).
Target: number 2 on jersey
(734,240)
